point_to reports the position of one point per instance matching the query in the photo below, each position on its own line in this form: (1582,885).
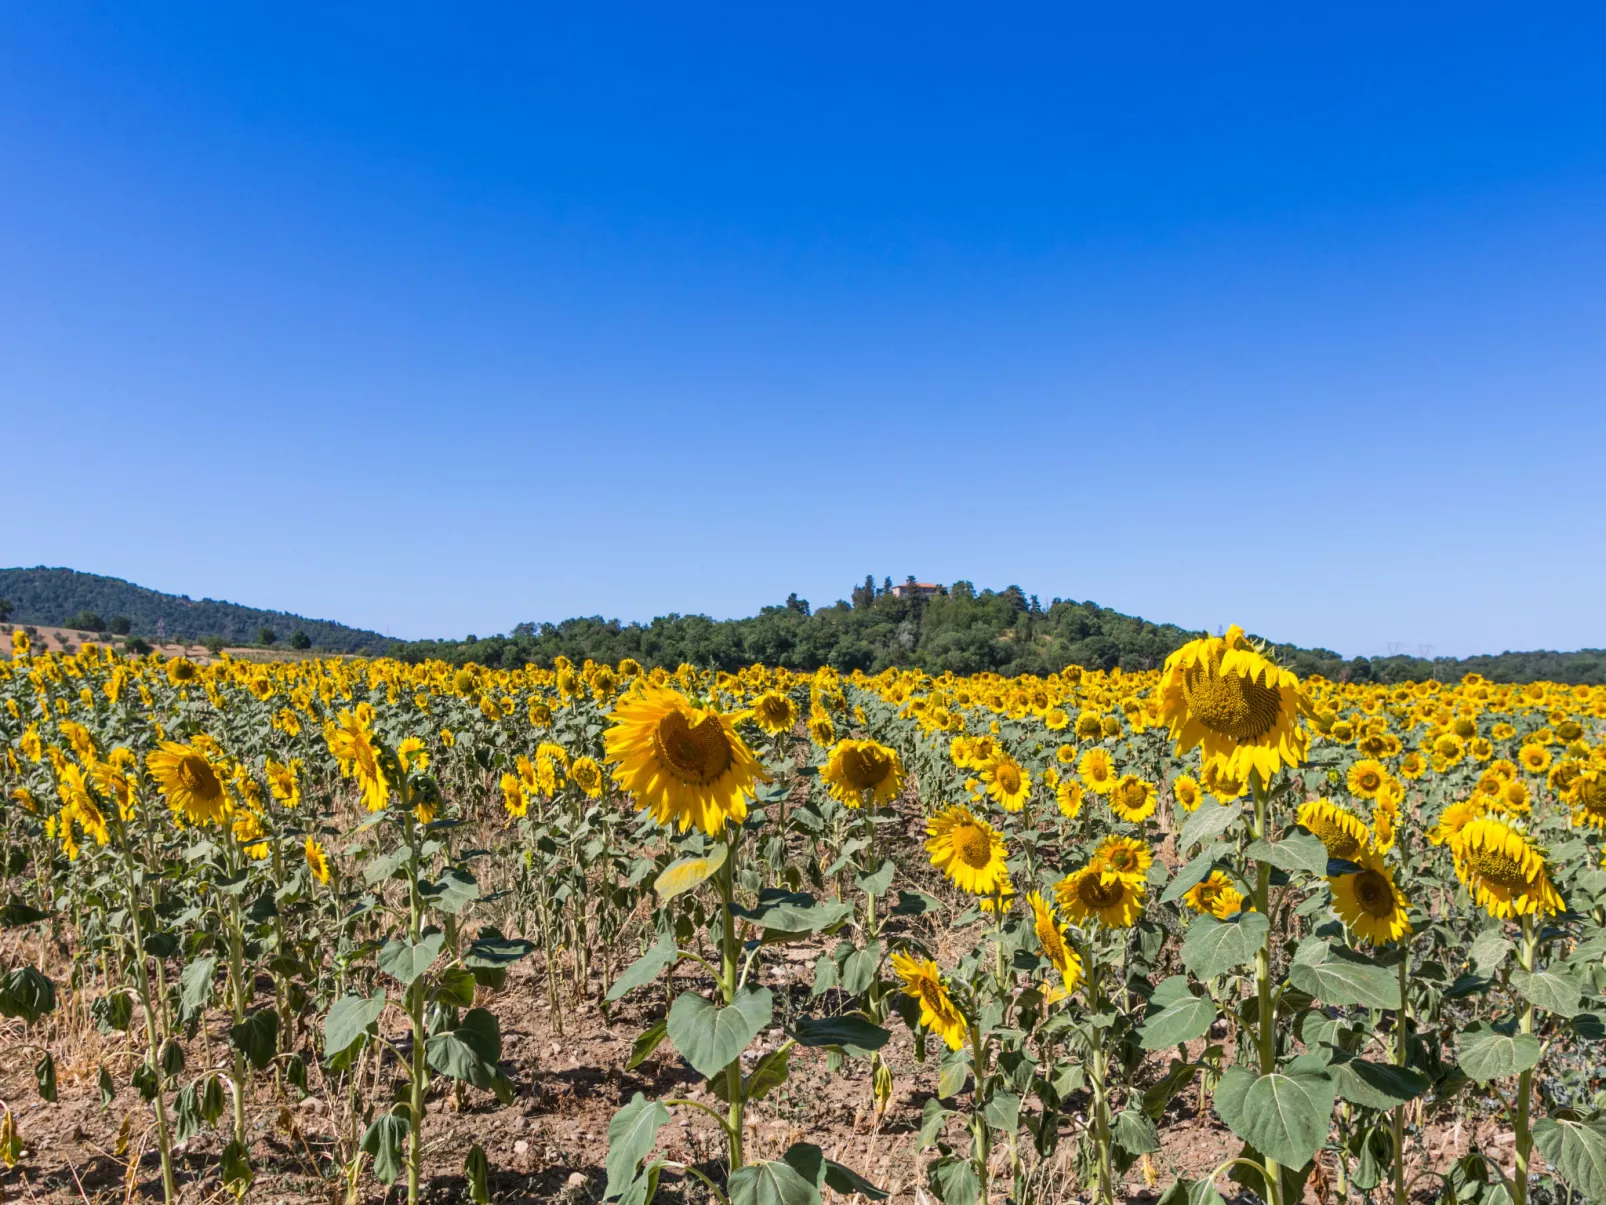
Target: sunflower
(283,781)
(352,742)
(1133,798)
(684,762)
(1065,755)
(317,859)
(1505,874)
(1534,758)
(1223,786)
(1125,857)
(1097,770)
(775,712)
(1454,818)
(413,754)
(1007,784)
(860,770)
(1221,694)
(1068,795)
(938,1013)
(1340,830)
(1056,719)
(515,797)
(1586,795)
(181,671)
(1366,778)
(190,782)
(587,775)
(969,851)
(1052,937)
(1215,894)
(821,730)
(1369,902)
(1093,894)
(1186,791)
(1089,726)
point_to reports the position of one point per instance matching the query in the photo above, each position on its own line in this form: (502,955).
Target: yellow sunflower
(587,775)
(1095,894)
(1007,784)
(1343,833)
(352,742)
(860,770)
(1505,874)
(1052,937)
(685,763)
(1068,796)
(1586,795)
(1369,902)
(1132,798)
(1186,791)
(1223,787)
(190,782)
(317,859)
(284,781)
(1366,778)
(969,851)
(1238,707)
(1534,758)
(1125,857)
(775,712)
(1097,770)
(1454,818)
(821,730)
(938,1013)
(1215,894)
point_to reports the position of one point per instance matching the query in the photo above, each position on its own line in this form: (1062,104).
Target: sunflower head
(1093,895)
(1052,937)
(1125,857)
(938,1013)
(1505,873)
(190,781)
(857,771)
(1343,833)
(1097,770)
(1132,798)
(774,712)
(1216,895)
(1368,901)
(1223,695)
(968,850)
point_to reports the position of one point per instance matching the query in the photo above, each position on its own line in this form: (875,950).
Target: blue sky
(438,318)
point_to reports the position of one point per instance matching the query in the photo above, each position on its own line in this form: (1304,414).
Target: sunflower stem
(1519,1193)
(1399,1059)
(729,980)
(1264,1016)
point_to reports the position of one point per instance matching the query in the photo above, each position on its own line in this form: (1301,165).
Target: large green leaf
(470,1052)
(1486,1053)
(1191,1192)
(647,968)
(1207,823)
(1195,872)
(1577,1150)
(1285,1115)
(348,1021)
(1376,1085)
(257,1037)
(850,1032)
(1553,992)
(794,912)
(1489,949)
(631,1135)
(709,1036)
(1212,947)
(1337,976)
(386,1140)
(810,1162)
(1298,850)
(1175,1015)
(27,994)
(772,1182)
(405,961)
(195,988)
(456,890)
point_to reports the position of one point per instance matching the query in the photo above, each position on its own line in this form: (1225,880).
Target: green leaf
(257,1037)
(1489,949)
(1577,1150)
(456,890)
(386,1139)
(470,1052)
(1002,1112)
(851,1033)
(1194,873)
(647,1041)
(491,950)
(1376,1085)
(44,1074)
(195,989)
(953,1073)
(809,1161)
(1298,850)
(793,912)
(1554,993)
(1135,1133)
(685,873)
(28,995)
(455,987)
(769,1075)
(1213,947)
(14,913)
(954,1181)
(477,1171)
(1337,976)
(1191,1192)
(108,1090)
(1175,1016)
(236,1169)
(348,1021)
(877,883)
(631,1135)
(645,969)
(406,961)
(772,1182)
(1486,1053)
(1208,822)
(709,1037)
(932,1118)
(1284,1115)
(858,969)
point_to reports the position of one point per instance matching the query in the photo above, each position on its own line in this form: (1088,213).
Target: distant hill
(67,598)
(956,628)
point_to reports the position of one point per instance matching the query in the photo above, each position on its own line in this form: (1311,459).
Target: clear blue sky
(435,318)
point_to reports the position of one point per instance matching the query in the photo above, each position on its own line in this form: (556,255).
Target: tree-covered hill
(67,598)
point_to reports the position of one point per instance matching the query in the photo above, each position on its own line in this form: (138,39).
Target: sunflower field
(347,930)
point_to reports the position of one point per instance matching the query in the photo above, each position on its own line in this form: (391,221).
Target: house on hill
(914,589)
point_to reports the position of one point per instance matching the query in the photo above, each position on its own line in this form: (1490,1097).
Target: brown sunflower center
(1007,777)
(698,753)
(1340,843)
(865,768)
(1231,704)
(973,845)
(1369,780)
(197,777)
(1095,892)
(1497,867)
(1374,893)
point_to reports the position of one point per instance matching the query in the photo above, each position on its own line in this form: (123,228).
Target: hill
(69,599)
